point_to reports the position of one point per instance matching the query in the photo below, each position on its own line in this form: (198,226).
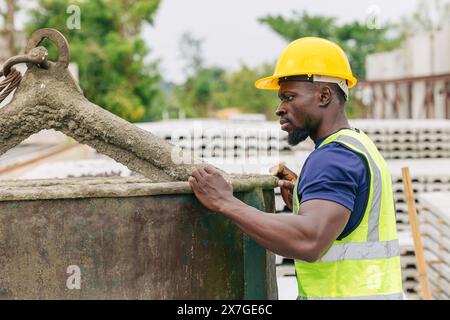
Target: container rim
(111,187)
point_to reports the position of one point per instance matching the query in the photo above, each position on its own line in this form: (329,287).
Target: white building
(412,81)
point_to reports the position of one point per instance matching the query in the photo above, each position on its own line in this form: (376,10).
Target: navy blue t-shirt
(337,174)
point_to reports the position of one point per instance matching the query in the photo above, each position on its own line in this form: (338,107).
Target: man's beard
(298,135)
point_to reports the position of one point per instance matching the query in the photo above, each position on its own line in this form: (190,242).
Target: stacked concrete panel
(408,139)
(427,175)
(396,139)
(411,286)
(215,138)
(435,223)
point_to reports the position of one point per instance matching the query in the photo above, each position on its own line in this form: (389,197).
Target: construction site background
(403,105)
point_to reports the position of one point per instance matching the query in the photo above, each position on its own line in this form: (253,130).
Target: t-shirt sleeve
(332,173)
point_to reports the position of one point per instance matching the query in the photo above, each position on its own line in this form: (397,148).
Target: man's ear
(326,95)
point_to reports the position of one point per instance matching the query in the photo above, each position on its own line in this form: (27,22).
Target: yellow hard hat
(318,59)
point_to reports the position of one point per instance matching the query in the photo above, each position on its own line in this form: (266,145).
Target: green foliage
(355,38)
(197,95)
(211,89)
(109,52)
(242,93)
(300,25)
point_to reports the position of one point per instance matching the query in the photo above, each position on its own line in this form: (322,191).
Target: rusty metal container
(130,239)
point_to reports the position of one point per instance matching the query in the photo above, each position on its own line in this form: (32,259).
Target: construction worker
(342,234)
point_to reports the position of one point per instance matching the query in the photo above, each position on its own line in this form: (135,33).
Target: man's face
(298,110)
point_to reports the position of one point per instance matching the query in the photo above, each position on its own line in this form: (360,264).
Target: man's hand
(286,183)
(210,188)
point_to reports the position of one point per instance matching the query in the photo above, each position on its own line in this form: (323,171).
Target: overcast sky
(232,34)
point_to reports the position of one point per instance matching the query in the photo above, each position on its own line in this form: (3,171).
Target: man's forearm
(287,235)
(304,236)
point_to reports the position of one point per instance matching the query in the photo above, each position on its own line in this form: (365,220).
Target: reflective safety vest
(365,264)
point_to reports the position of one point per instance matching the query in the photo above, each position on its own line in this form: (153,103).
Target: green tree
(109,52)
(211,89)
(196,95)
(299,25)
(208,89)
(241,92)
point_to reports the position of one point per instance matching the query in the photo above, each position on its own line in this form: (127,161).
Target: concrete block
(439,284)
(437,187)
(285,270)
(403,147)
(441,137)
(438,203)
(436,221)
(402,138)
(408,262)
(432,146)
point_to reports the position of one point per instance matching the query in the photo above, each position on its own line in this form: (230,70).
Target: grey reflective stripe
(361,251)
(374,213)
(393,296)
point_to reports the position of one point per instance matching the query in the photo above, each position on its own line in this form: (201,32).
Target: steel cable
(9,83)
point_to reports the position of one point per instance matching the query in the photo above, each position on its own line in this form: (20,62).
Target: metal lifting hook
(55,36)
(34,55)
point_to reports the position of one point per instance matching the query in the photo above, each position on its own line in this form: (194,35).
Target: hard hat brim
(271,83)
(267,83)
